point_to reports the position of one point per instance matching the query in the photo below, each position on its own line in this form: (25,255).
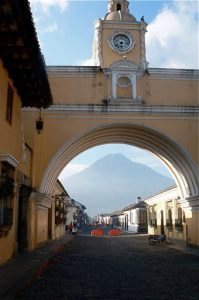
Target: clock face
(121,42)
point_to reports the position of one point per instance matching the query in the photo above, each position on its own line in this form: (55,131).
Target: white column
(134,87)
(143,62)
(114,86)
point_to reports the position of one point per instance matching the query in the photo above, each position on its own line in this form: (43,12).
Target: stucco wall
(42,225)
(83,85)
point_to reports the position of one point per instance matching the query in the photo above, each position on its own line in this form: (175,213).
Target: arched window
(154,220)
(183,217)
(169,219)
(170,215)
(178,221)
(118,6)
(180,214)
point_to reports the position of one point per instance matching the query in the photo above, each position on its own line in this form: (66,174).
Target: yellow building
(118,100)
(168,214)
(20,63)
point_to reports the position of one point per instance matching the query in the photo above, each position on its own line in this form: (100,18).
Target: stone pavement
(25,268)
(116,268)
(22,269)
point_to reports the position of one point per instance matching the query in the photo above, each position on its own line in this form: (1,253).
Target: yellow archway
(176,159)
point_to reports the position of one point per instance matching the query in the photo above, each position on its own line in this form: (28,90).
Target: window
(170,214)
(178,221)
(6,193)
(154,220)
(132,217)
(9,108)
(180,213)
(169,220)
(124,81)
(118,7)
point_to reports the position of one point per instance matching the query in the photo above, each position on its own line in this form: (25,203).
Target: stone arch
(176,159)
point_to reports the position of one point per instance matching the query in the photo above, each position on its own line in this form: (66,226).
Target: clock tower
(119,36)
(119,49)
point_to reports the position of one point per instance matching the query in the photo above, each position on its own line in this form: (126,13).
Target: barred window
(6,193)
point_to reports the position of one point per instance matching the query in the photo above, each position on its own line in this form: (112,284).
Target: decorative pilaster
(143,61)
(134,86)
(97,44)
(114,86)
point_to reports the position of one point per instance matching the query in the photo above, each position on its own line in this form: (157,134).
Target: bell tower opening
(118,7)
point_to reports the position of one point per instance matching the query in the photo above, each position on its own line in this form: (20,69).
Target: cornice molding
(177,74)
(72,71)
(154,73)
(115,106)
(9,159)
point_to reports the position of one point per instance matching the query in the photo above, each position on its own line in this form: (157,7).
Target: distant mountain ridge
(113,182)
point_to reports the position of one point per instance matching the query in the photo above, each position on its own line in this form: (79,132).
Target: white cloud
(172,38)
(47,4)
(87,62)
(51,28)
(71,169)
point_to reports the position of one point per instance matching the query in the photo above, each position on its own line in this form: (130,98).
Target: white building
(103,219)
(131,218)
(135,217)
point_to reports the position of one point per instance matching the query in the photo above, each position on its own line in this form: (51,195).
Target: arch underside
(178,162)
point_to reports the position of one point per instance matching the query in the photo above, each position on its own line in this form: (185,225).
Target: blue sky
(65,32)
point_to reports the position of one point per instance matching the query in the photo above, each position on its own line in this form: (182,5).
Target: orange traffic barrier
(114,232)
(97,232)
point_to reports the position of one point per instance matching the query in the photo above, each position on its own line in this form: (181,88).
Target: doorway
(22,232)
(162,222)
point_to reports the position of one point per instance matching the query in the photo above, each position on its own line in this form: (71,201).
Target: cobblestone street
(125,267)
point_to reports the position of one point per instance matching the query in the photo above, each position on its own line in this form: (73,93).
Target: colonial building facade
(66,110)
(132,218)
(135,217)
(166,214)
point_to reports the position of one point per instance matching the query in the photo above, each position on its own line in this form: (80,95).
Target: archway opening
(107,177)
(176,159)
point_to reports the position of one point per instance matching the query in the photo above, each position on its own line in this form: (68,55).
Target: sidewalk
(20,271)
